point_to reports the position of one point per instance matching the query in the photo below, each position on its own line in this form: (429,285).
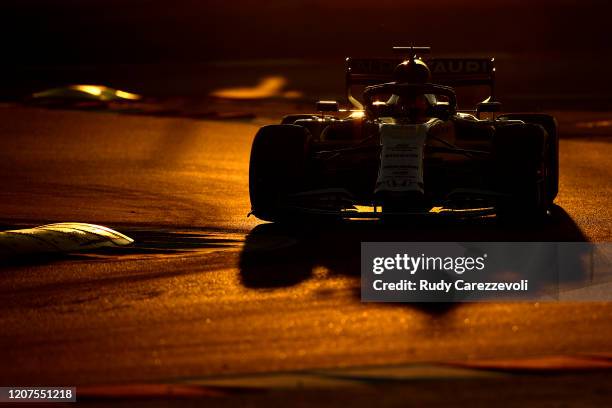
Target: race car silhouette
(405,149)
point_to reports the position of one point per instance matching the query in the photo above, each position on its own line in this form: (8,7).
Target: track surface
(207,291)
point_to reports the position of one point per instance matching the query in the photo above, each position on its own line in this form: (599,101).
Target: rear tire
(277,168)
(523,171)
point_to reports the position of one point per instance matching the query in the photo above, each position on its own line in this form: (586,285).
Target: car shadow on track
(277,255)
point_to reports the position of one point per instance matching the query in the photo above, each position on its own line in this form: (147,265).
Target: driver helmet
(411,105)
(413,71)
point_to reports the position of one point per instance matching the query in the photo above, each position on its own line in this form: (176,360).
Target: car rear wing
(444,71)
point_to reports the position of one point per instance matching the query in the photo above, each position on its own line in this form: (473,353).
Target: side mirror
(487,106)
(379,109)
(439,110)
(327,106)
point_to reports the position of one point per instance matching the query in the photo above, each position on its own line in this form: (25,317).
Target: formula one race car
(405,149)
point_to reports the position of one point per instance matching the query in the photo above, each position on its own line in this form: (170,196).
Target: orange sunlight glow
(105,92)
(268,87)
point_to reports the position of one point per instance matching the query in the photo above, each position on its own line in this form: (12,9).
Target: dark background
(548,51)
(108,31)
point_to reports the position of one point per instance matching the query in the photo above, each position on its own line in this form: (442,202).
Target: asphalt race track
(206,291)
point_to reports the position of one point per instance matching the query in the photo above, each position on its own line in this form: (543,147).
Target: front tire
(549,123)
(523,158)
(277,168)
